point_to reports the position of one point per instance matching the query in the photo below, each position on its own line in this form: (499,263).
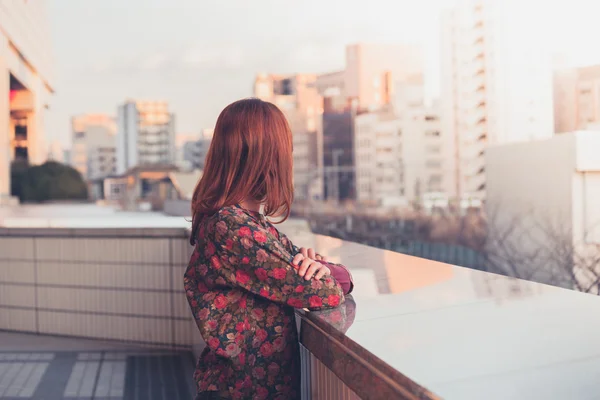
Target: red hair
(250,157)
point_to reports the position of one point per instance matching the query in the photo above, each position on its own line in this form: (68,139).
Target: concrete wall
(115,284)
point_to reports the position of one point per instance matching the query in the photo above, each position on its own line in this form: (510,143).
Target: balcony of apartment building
(92,307)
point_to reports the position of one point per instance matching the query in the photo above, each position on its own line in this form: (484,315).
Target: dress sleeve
(249,256)
(338,271)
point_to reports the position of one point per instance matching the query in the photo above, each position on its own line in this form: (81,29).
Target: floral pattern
(242,289)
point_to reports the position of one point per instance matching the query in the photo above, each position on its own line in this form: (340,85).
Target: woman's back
(242,288)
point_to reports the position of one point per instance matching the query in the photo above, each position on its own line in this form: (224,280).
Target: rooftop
(457,333)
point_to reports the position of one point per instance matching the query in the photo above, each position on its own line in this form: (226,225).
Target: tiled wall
(122,285)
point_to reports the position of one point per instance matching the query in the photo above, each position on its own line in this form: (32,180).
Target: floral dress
(242,289)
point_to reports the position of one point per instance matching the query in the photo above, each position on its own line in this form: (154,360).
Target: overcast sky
(202,54)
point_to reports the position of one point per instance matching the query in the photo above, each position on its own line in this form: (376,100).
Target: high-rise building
(496,83)
(298,98)
(399,151)
(26,85)
(94,145)
(372,71)
(145,134)
(366,84)
(576,98)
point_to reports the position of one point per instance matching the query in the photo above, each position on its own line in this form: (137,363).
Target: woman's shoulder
(229,214)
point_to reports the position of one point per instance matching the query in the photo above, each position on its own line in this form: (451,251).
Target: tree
(47,182)
(542,249)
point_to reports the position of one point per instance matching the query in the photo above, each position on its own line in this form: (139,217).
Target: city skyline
(172,51)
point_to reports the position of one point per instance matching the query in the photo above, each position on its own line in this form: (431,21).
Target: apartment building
(26,86)
(367,84)
(145,134)
(576,98)
(400,156)
(94,145)
(298,98)
(496,83)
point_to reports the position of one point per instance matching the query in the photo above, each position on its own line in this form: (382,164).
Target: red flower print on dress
(202,287)
(315,301)
(260,237)
(299,289)
(261,335)
(210,249)
(316,284)
(333,300)
(247,243)
(214,343)
(245,260)
(261,256)
(211,324)
(264,293)
(296,303)
(242,358)
(261,393)
(221,302)
(216,263)
(266,349)
(242,276)
(258,313)
(261,274)
(222,227)
(203,314)
(229,244)
(279,273)
(245,231)
(232,349)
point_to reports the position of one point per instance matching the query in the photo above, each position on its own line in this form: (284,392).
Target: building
(542,205)
(26,86)
(399,152)
(56,152)
(372,71)
(496,83)
(93,150)
(576,98)
(145,134)
(193,149)
(367,84)
(299,99)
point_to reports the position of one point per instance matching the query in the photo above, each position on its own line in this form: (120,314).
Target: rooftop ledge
(413,328)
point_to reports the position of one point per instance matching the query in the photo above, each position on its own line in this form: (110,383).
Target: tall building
(94,145)
(366,84)
(372,71)
(26,85)
(399,152)
(145,134)
(193,149)
(298,98)
(576,98)
(496,83)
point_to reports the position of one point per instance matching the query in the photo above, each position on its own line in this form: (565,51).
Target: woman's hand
(308,267)
(312,254)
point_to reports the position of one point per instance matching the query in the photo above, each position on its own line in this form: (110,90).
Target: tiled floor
(33,371)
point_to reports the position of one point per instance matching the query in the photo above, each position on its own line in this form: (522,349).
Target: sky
(200,55)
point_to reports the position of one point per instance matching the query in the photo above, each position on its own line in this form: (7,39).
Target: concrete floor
(53,368)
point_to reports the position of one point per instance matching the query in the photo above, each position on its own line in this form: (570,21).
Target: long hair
(250,157)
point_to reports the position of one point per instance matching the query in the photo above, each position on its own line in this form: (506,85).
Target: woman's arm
(338,271)
(249,256)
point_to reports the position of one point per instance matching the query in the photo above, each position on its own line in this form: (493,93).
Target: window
(432,133)
(433,164)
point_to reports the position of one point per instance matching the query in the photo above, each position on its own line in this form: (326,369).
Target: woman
(245,278)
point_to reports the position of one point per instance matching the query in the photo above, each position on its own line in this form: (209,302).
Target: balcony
(96,310)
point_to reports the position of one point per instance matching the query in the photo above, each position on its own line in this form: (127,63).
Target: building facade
(400,156)
(145,134)
(496,83)
(543,216)
(372,71)
(297,96)
(576,98)
(94,145)
(26,86)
